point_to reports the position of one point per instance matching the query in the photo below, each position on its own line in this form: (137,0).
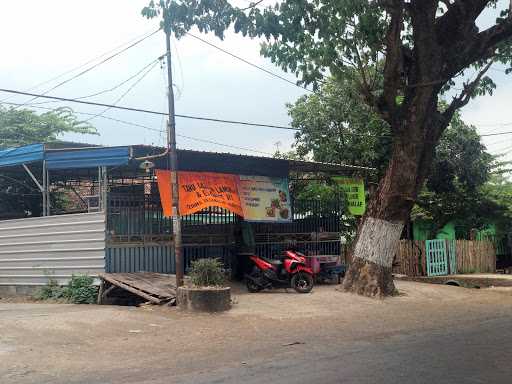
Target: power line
(132,109)
(81,65)
(157,130)
(496,134)
(248,62)
(92,67)
(200,118)
(126,92)
(111,89)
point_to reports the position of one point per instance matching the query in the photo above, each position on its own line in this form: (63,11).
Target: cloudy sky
(42,40)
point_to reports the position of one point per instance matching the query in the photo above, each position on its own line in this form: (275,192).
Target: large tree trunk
(380,230)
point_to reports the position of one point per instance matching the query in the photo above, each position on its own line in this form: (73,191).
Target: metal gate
(441,257)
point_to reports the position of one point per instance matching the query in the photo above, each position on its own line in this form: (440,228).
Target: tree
(24,126)
(18,194)
(426,46)
(454,187)
(335,126)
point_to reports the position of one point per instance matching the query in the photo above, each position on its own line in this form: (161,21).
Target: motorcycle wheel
(252,287)
(302,282)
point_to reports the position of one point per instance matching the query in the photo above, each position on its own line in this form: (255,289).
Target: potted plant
(208,292)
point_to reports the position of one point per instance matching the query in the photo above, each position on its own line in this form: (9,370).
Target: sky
(42,40)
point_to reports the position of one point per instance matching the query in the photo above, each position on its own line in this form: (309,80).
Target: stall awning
(87,157)
(21,155)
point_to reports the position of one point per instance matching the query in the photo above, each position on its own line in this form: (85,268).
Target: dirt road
(322,336)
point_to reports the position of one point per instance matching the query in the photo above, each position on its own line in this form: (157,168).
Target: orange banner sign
(164,187)
(200,190)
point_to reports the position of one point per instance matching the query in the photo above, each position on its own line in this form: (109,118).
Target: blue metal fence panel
(87,157)
(21,155)
(437,261)
(139,258)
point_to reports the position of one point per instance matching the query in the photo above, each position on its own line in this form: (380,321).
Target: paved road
(479,353)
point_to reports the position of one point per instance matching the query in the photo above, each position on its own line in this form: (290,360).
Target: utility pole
(173,161)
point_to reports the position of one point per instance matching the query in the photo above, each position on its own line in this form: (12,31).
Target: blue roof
(65,158)
(87,157)
(21,155)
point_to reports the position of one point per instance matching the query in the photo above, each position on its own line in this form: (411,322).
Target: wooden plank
(156,286)
(133,290)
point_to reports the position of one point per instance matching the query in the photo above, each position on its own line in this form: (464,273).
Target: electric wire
(108,90)
(200,118)
(125,93)
(38,85)
(81,73)
(148,111)
(248,62)
(160,131)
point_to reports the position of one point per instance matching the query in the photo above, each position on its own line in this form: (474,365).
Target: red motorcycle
(291,271)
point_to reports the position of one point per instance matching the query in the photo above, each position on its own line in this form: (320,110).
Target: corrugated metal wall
(34,250)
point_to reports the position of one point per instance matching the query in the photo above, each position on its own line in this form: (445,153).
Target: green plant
(207,273)
(80,290)
(51,291)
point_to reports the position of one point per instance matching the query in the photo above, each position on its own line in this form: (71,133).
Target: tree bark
(380,230)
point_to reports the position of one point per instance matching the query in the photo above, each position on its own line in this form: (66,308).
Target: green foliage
(315,38)
(305,37)
(457,187)
(337,127)
(51,291)
(23,126)
(80,290)
(207,273)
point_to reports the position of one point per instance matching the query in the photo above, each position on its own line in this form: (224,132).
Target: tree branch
(394,61)
(481,47)
(252,5)
(464,97)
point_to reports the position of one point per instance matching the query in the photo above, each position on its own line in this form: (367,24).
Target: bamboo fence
(472,257)
(475,256)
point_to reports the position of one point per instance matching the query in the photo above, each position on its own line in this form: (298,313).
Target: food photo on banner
(265,198)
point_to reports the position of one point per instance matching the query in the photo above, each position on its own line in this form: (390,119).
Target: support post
(45,188)
(104,190)
(48,205)
(173,159)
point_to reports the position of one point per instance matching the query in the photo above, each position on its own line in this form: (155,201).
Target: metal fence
(137,230)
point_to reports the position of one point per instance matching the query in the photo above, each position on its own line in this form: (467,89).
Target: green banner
(354,192)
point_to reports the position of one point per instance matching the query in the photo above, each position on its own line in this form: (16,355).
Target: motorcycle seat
(273,261)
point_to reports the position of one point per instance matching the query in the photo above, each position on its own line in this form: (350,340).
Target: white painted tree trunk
(370,270)
(377,242)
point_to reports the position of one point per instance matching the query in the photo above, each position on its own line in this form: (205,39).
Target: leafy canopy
(318,38)
(335,126)
(23,126)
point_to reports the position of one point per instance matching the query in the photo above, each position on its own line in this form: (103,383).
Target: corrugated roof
(21,155)
(87,157)
(80,156)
